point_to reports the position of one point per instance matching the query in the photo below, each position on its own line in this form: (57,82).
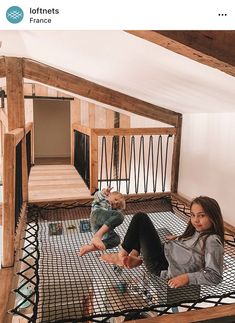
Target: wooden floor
(56,183)
(52,161)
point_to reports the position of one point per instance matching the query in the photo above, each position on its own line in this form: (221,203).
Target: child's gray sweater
(204,265)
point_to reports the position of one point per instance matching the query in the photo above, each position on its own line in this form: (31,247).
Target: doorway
(51,132)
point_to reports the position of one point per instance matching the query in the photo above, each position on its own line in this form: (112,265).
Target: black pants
(143,237)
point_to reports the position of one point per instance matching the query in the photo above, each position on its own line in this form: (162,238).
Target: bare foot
(132,261)
(134,253)
(98,243)
(114,258)
(86,248)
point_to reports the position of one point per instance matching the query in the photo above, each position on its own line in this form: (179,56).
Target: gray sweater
(204,266)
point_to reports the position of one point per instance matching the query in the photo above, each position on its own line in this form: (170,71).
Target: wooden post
(2,67)
(9,167)
(25,178)
(176,157)
(93,161)
(75,117)
(16,111)
(32,144)
(15,93)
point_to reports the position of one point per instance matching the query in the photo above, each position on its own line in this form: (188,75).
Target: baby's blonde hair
(122,202)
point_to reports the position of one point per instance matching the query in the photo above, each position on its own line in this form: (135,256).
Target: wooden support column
(93,161)
(2,67)
(25,178)
(16,111)
(75,117)
(176,157)
(32,145)
(8,200)
(15,93)
(6,276)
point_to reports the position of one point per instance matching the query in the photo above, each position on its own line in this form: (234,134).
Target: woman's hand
(178,281)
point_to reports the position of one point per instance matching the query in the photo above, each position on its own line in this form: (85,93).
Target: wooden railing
(141,153)
(15,190)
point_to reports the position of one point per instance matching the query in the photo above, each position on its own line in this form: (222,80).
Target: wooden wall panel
(28,104)
(91,108)
(100,117)
(52,92)
(84,113)
(28,88)
(41,90)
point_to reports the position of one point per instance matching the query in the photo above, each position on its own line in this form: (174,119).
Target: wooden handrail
(28,127)
(125,131)
(134,131)
(94,133)
(18,135)
(82,129)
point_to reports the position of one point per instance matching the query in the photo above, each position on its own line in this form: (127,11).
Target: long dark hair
(212,210)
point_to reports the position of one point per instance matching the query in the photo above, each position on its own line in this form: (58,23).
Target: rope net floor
(60,286)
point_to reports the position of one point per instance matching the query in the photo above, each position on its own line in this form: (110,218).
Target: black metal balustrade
(82,156)
(142,165)
(28,151)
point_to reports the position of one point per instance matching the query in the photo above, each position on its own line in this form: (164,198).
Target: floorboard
(56,183)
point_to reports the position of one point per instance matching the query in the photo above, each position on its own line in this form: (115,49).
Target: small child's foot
(98,243)
(132,261)
(113,258)
(86,248)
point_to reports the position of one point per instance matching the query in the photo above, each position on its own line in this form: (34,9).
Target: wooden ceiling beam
(54,77)
(213,48)
(2,67)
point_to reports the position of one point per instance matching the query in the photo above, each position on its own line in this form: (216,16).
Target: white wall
(142,122)
(207,163)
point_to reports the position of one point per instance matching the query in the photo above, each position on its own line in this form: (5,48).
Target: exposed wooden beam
(213,48)
(225,313)
(216,43)
(54,77)
(2,67)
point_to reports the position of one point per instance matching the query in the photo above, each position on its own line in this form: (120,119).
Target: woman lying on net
(195,257)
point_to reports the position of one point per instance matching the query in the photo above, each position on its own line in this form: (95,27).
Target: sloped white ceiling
(130,65)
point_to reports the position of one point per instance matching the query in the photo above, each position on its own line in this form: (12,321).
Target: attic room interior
(149,113)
